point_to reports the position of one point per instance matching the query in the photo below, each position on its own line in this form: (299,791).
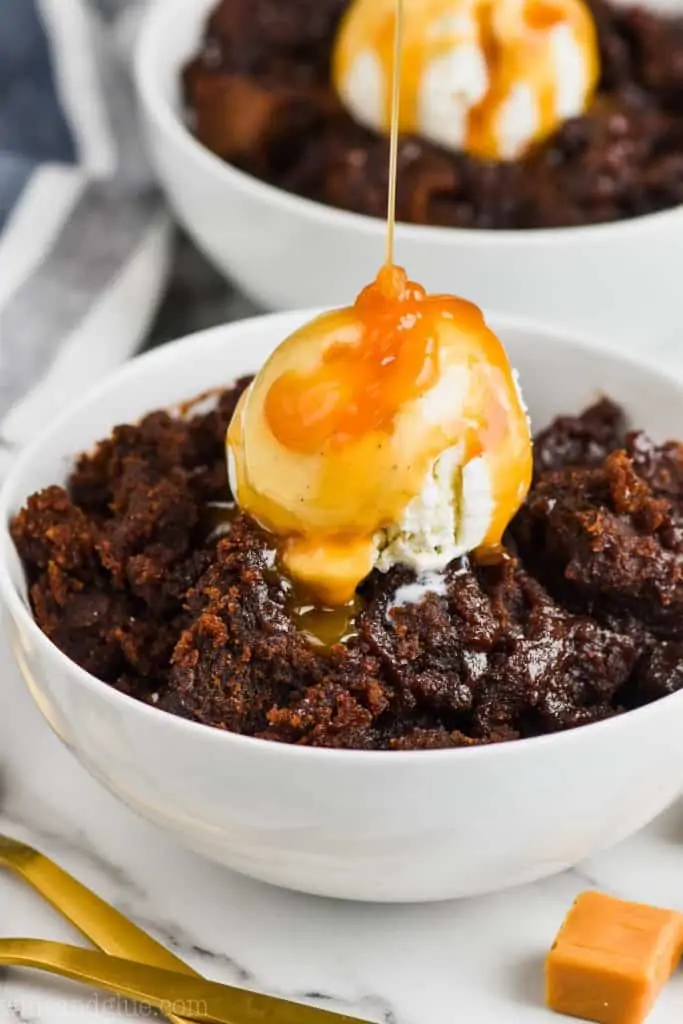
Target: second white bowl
(620,280)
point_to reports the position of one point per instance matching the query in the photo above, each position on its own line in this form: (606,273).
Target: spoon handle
(91,915)
(99,922)
(204,1001)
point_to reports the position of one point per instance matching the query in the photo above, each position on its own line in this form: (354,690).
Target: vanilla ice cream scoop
(390,432)
(490,77)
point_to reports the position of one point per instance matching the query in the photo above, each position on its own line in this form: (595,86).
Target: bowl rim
(165,117)
(24,619)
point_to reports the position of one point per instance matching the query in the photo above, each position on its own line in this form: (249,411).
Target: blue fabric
(88,282)
(32,127)
(15,170)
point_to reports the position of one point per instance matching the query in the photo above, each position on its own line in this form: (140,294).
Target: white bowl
(621,281)
(380,826)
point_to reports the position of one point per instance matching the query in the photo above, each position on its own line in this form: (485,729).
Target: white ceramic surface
(368,826)
(621,281)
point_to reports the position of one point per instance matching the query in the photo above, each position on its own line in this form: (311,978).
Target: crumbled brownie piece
(239,649)
(242,665)
(110,559)
(657,45)
(554,670)
(52,530)
(127,577)
(432,739)
(262,37)
(260,95)
(659,673)
(161,442)
(583,440)
(607,539)
(435,652)
(75,603)
(241,119)
(492,659)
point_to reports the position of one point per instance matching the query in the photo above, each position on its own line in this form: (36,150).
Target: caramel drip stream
(393,144)
(326,626)
(361,368)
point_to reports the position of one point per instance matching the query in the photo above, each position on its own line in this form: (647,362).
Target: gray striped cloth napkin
(84,235)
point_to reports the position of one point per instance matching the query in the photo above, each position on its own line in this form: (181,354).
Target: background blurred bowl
(389,826)
(621,280)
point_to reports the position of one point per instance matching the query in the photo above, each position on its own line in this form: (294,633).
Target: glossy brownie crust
(579,621)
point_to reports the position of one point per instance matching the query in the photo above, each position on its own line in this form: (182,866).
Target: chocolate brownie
(259,96)
(577,620)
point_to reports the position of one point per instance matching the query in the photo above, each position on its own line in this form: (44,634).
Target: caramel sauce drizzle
(515,54)
(387,356)
(359,387)
(531,64)
(395,119)
(323,625)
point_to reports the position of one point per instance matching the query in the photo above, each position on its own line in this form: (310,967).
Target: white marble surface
(475,962)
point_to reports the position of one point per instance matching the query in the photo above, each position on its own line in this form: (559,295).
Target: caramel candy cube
(611,959)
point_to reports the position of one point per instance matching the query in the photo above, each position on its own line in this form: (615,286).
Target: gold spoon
(119,937)
(195,998)
(96,920)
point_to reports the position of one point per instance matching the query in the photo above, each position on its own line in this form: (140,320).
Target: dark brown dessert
(260,97)
(578,620)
